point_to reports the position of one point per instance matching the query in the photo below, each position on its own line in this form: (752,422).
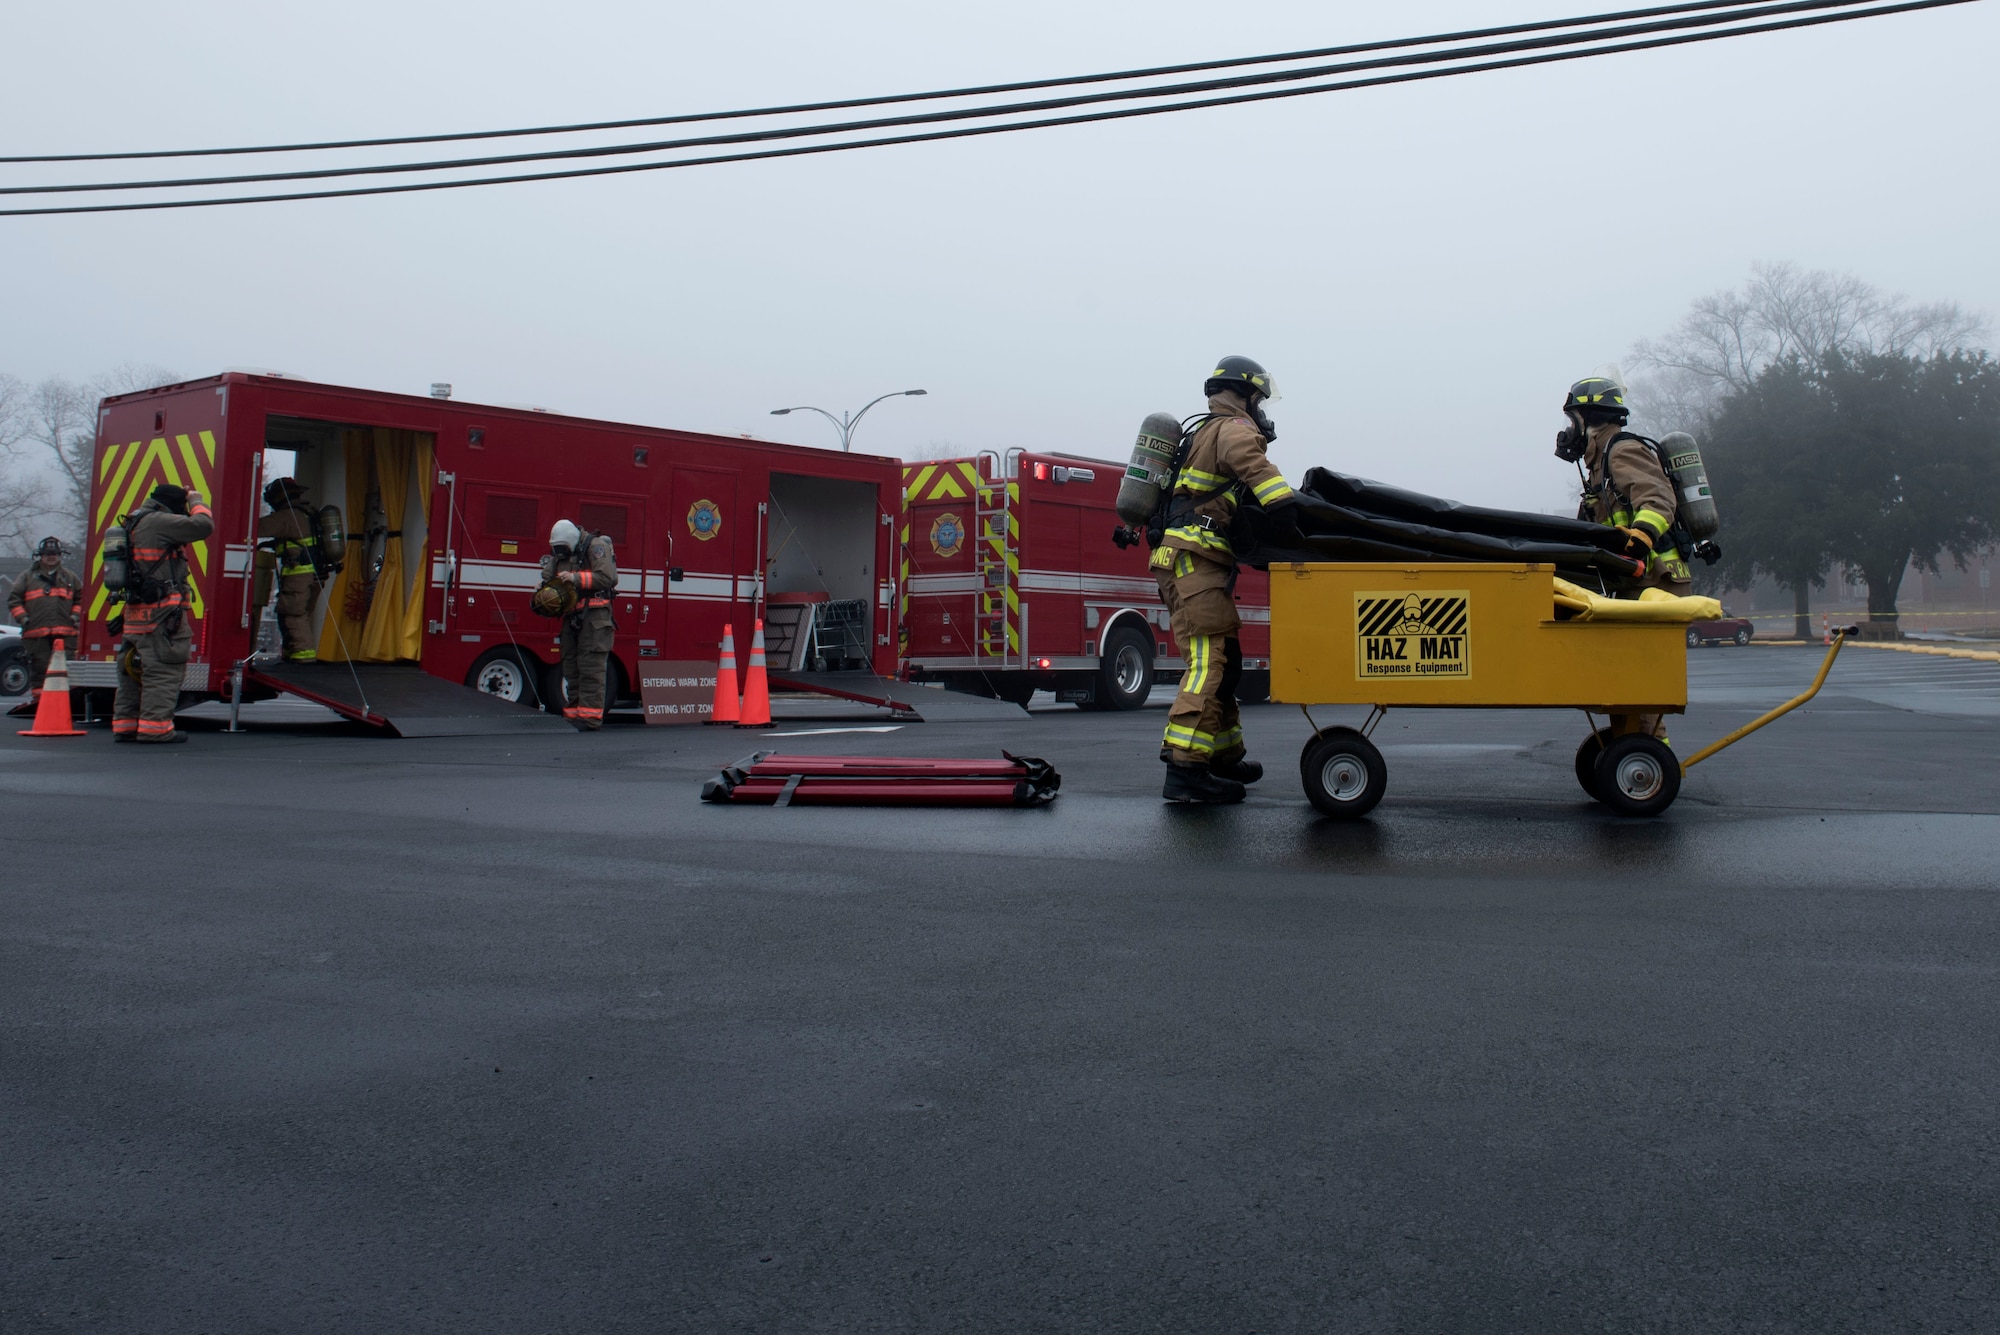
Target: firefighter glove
(1638,542)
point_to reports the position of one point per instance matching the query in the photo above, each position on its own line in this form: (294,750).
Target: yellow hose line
(1779,712)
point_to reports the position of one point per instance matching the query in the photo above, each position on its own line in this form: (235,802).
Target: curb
(1976,655)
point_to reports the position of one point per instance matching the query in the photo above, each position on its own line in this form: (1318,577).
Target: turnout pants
(39,651)
(1204,726)
(586,650)
(144,708)
(296,596)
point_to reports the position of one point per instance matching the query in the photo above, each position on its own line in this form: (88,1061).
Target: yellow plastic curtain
(382,622)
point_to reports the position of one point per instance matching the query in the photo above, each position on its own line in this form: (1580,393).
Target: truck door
(708,544)
(943,587)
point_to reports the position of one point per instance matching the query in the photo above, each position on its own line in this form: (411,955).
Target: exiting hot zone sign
(1421,634)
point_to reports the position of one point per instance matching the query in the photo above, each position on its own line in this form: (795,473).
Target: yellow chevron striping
(947,487)
(912,490)
(208,448)
(127,455)
(197,481)
(141,477)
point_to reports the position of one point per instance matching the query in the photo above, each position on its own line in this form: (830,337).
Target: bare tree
(1727,338)
(20,487)
(57,419)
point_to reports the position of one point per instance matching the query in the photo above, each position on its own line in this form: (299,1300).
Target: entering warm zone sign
(1422,633)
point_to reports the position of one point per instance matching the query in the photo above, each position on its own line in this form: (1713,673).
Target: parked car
(1728,630)
(13,662)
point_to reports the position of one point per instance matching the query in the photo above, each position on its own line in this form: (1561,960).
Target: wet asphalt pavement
(305,1031)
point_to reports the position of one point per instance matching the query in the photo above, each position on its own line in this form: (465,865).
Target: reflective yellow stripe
(1214,542)
(1200,651)
(1271,489)
(1653,519)
(1187,739)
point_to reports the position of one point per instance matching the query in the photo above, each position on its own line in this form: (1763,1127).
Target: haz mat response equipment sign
(1423,634)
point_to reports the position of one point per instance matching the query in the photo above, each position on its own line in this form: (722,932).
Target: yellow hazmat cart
(1469,636)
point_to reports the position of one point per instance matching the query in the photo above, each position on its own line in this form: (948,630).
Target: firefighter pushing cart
(1475,636)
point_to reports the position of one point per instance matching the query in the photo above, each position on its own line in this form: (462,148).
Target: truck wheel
(1343,773)
(510,674)
(1638,776)
(1125,671)
(1742,638)
(14,674)
(1694,638)
(1587,755)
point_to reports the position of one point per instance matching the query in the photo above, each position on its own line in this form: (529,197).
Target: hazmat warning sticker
(1424,634)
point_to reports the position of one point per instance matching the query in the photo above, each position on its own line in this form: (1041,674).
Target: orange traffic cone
(756,689)
(725,681)
(52,707)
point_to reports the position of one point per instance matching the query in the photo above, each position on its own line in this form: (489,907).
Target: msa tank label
(1423,634)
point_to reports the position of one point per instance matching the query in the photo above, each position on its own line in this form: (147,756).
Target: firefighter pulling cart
(1479,636)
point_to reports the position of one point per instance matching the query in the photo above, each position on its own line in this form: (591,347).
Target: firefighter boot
(1241,770)
(1198,783)
(162,738)
(1237,766)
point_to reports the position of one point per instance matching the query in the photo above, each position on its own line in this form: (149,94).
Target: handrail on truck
(1840,634)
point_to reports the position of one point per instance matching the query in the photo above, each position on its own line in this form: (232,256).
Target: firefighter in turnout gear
(289,533)
(586,562)
(1624,487)
(46,602)
(1226,469)
(158,638)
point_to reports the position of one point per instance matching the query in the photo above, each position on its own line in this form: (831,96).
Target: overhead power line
(1848,11)
(1155,91)
(856,103)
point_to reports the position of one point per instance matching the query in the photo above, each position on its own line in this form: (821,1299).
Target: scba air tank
(331,528)
(1151,468)
(117,559)
(1698,514)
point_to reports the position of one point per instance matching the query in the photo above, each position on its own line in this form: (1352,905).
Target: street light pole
(846,422)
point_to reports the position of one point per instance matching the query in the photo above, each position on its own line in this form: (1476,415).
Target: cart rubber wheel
(1694,638)
(1588,752)
(1343,773)
(1638,776)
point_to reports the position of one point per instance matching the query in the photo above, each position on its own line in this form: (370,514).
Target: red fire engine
(1011,583)
(448,506)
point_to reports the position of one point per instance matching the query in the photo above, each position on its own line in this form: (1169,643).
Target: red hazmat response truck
(446,508)
(1011,583)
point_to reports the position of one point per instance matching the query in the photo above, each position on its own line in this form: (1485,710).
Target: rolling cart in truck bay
(1476,636)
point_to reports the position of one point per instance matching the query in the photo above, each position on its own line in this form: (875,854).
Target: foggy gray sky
(1424,268)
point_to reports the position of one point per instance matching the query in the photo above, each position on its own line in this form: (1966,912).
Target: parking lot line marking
(824,732)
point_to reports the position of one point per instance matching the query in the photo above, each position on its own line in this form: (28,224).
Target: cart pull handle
(1840,634)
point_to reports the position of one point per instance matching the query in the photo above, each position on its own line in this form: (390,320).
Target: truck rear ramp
(402,698)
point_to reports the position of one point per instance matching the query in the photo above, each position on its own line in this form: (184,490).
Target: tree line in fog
(1843,429)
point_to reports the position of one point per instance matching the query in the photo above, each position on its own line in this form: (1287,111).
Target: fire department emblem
(947,535)
(704,519)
